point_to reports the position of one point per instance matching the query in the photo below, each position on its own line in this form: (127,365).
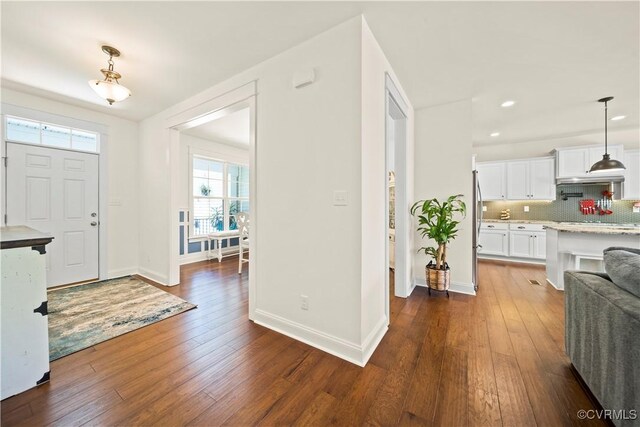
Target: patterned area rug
(85,315)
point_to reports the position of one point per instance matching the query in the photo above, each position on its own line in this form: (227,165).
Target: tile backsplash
(565,210)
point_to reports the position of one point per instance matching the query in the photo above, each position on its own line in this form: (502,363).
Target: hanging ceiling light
(109,88)
(607,164)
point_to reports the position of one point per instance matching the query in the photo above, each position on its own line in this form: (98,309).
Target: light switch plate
(484,208)
(526,208)
(340,198)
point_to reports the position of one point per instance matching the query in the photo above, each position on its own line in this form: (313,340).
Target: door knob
(93,214)
(94,223)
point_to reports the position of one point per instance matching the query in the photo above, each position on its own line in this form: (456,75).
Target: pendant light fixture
(110,88)
(607,164)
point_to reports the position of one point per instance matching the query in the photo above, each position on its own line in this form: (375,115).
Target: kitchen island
(571,244)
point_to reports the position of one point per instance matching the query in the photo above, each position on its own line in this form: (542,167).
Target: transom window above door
(219,191)
(50,135)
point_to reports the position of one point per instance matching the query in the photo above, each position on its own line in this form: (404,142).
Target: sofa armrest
(600,284)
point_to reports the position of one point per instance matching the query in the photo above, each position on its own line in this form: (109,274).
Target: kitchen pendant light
(110,88)
(607,164)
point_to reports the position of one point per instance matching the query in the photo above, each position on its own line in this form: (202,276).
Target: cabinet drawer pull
(491,226)
(520,227)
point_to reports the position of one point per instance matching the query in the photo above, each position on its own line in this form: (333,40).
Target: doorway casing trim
(402,222)
(211,109)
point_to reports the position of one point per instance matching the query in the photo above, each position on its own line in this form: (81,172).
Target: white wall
(310,144)
(374,227)
(122,154)
(308,147)
(443,168)
(630,138)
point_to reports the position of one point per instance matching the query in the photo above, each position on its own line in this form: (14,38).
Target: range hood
(590,180)
(613,183)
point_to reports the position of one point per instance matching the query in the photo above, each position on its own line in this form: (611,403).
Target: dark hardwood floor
(494,359)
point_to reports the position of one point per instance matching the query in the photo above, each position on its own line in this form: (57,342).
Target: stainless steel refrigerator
(476,213)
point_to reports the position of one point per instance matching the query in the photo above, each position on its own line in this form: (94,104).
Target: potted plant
(436,222)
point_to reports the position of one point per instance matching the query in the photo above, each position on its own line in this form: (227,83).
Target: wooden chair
(242,219)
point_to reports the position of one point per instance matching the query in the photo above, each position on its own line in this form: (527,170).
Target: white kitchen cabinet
(542,183)
(540,245)
(518,179)
(492,177)
(531,179)
(527,241)
(576,162)
(520,244)
(631,185)
(494,239)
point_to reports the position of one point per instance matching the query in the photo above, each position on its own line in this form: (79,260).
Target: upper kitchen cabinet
(576,162)
(492,178)
(631,186)
(531,179)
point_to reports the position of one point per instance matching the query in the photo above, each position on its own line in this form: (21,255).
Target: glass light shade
(608,165)
(112,92)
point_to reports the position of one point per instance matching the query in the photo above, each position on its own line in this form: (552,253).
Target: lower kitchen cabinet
(513,240)
(527,244)
(494,239)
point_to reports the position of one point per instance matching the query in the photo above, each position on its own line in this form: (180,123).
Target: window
(220,190)
(30,132)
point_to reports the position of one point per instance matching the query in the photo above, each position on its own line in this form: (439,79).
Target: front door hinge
(5,160)
(5,219)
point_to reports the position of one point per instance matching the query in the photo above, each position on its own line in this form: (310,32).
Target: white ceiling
(232,129)
(553,58)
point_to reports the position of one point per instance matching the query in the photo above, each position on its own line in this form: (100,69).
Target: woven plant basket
(438,279)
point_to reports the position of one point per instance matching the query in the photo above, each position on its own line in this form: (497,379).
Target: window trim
(231,160)
(41,123)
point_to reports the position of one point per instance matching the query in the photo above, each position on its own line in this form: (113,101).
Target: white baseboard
(513,259)
(156,277)
(343,349)
(373,339)
(202,256)
(457,287)
(560,288)
(122,272)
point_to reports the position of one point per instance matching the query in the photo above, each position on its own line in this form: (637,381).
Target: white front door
(56,191)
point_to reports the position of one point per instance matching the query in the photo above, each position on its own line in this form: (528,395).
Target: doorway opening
(398,278)
(214,187)
(213,176)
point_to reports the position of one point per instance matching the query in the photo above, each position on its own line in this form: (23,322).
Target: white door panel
(56,191)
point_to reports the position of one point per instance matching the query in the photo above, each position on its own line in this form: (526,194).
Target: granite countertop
(520,221)
(18,236)
(596,228)
(577,227)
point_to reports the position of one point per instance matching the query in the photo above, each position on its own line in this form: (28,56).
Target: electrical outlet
(526,208)
(340,198)
(304,302)
(636,209)
(484,208)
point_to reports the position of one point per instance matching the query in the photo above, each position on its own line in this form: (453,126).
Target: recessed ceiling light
(508,104)
(618,118)
(494,134)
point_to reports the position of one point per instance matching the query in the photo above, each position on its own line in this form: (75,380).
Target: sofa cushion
(622,248)
(623,267)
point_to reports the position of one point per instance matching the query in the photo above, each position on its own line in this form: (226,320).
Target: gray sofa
(602,331)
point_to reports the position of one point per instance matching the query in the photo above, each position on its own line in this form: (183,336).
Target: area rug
(85,315)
